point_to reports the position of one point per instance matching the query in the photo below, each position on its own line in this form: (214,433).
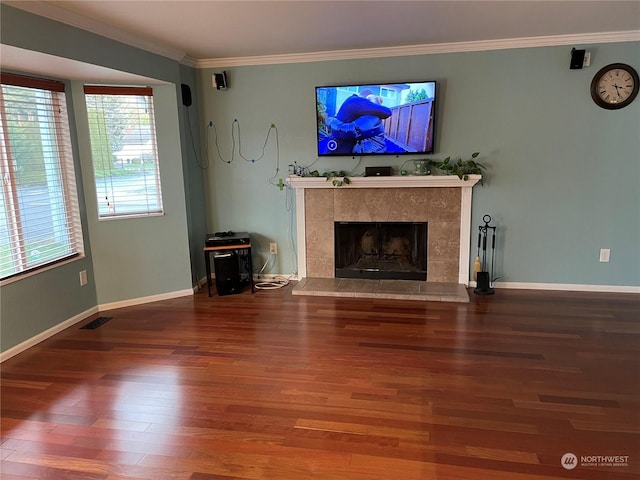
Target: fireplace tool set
(484,278)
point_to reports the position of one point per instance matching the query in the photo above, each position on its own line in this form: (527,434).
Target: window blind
(39,214)
(124,150)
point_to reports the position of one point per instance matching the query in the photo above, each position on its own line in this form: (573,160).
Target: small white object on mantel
(410,181)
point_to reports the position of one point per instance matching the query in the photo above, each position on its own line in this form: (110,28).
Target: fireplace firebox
(381,250)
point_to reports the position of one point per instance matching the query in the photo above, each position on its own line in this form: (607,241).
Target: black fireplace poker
(483,278)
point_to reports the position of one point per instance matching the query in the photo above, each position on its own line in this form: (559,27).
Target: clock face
(615,86)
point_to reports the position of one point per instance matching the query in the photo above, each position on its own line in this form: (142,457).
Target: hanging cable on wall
(272,181)
(237,132)
(351,172)
(212,127)
(205,161)
(272,127)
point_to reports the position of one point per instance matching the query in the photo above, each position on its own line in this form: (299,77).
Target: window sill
(126,217)
(43,268)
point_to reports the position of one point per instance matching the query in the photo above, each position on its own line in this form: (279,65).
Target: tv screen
(385,119)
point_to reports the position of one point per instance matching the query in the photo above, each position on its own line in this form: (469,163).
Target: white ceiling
(216,32)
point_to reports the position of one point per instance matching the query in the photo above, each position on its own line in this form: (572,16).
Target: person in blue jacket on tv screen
(357,127)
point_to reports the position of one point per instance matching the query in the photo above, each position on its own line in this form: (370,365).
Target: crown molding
(427,49)
(189,61)
(62,15)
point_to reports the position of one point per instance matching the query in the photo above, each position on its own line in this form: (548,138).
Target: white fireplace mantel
(426,181)
(408,181)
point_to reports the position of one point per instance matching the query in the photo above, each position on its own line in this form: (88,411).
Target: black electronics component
(223,239)
(577,59)
(227,271)
(220,80)
(186,95)
(367,119)
(377,171)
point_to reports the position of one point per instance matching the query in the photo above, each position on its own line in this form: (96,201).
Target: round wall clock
(615,86)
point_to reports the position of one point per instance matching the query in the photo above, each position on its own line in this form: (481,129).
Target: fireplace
(381,250)
(442,201)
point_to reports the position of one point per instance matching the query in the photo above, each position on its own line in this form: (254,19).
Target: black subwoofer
(227,271)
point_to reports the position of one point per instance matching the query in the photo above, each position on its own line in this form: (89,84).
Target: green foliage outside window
(417,95)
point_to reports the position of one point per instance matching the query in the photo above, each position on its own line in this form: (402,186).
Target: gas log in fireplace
(381,250)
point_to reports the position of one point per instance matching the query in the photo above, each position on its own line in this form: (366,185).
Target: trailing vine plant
(338,178)
(461,168)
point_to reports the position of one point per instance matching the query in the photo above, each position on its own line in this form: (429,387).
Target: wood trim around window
(31,82)
(112,90)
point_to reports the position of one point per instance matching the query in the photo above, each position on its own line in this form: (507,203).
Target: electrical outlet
(273,248)
(83,278)
(604,255)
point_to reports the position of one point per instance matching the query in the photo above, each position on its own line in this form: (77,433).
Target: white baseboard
(200,284)
(21,347)
(141,300)
(564,287)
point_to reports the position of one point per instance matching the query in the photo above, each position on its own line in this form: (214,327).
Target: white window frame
(56,229)
(117,196)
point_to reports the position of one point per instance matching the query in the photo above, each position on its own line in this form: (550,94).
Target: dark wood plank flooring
(281,387)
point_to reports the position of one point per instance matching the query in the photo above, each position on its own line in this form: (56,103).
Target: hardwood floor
(281,387)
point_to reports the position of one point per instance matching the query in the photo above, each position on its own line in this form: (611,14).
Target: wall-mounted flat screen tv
(384,119)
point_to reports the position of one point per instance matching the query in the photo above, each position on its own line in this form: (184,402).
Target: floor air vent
(93,324)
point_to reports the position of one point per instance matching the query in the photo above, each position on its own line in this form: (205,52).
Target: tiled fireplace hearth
(444,202)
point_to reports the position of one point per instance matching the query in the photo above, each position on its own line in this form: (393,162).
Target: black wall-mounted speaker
(220,80)
(577,59)
(186,95)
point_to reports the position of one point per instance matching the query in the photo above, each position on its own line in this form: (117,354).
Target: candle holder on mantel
(483,277)
(421,167)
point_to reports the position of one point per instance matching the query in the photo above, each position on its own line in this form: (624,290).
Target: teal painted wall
(563,182)
(31,32)
(39,302)
(564,174)
(140,257)
(194,168)
(126,259)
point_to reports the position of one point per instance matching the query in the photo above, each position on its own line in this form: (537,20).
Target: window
(39,215)
(349,89)
(388,93)
(124,151)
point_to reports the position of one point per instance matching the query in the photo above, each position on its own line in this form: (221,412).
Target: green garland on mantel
(461,168)
(338,178)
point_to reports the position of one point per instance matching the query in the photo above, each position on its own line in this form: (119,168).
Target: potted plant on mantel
(461,168)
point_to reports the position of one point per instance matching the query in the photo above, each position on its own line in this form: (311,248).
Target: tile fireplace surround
(442,201)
